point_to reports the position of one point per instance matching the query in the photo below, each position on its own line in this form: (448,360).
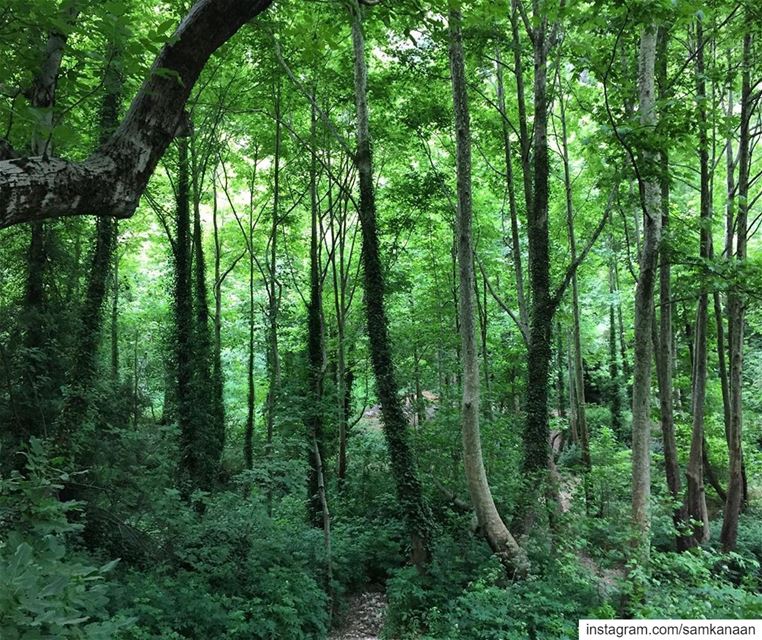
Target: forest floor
(363,619)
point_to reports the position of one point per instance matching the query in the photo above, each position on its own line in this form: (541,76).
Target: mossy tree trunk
(409,490)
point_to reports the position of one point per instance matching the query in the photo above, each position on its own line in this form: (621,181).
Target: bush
(45,590)
(695,584)
(235,574)
(447,605)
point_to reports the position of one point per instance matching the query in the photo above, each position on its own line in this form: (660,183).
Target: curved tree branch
(111,181)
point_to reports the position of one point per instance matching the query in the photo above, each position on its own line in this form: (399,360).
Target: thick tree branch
(111,181)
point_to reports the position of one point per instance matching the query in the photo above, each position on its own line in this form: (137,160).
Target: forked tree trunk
(736,308)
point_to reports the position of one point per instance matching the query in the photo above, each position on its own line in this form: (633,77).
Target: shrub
(46,592)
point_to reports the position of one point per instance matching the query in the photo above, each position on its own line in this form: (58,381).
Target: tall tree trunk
(273,293)
(82,375)
(736,308)
(622,336)
(115,310)
(316,486)
(409,489)
(536,450)
(579,372)
(183,308)
(615,382)
(34,407)
(560,374)
(218,375)
(663,344)
(641,388)
(696,499)
(497,534)
(518,269)
(251,394)
(525,139)
(212,435)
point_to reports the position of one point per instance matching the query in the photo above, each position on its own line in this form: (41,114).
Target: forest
(360,319)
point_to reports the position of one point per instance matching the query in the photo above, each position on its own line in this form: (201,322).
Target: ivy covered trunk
(409,491)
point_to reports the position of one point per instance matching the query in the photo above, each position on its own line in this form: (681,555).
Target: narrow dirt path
(364,617)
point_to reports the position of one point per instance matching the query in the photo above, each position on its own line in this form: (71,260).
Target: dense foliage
(394,314)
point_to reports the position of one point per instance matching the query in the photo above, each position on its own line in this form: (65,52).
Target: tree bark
(218,375)
(518,268)
(536,449)
(641,388)
(695,501)
(615,391)
(317,502)
(273,286)
(500,539)
(663,344)
(579,372)
(183,308)
(409,489)
(736,309)
(112,179)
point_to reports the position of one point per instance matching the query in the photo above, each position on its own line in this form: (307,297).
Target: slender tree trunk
(273,356)
(481,306)
(641,388)
(218,375)
(525,139)
(409,489)
(211,436)
(622,336)
(736,308)
(579,372)
(711,476)
(82,375)
(615,391)
(115,310)
(696,499)
(722,367)
(663,343)
(497,534)
(40,384)
(515,243)
(560,374)
(251,395)
(316,486)
(572,383)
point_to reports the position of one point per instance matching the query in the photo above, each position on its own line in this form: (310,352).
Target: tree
(112,179)
(497,534)
(650,193)
(409,490)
